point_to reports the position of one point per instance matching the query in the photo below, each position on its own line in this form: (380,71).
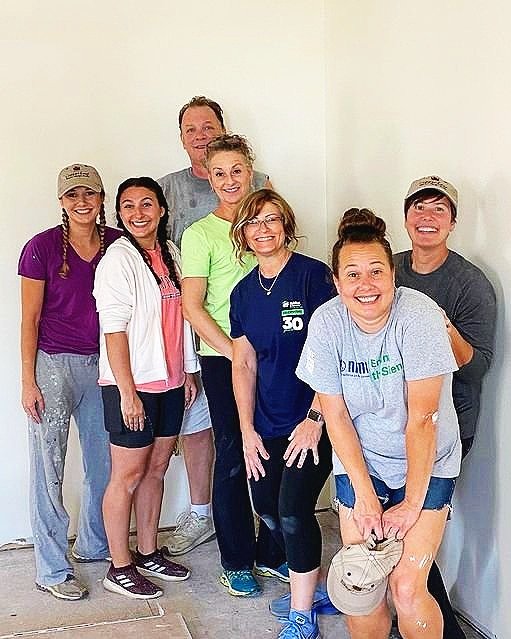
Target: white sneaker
(191,531)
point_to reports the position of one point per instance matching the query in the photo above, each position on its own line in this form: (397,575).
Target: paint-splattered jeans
(69,387)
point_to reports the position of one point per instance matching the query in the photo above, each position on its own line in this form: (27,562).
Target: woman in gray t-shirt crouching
(381,363)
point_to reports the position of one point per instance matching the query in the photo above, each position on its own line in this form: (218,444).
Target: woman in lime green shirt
(210,272)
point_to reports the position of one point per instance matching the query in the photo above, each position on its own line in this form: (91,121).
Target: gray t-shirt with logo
(370,371)
(191,198)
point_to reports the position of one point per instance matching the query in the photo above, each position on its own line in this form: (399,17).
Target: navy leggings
(285,499)
(232,511)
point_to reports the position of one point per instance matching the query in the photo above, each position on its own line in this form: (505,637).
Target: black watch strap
(315,416)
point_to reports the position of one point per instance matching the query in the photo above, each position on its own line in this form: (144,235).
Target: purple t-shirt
(69,321)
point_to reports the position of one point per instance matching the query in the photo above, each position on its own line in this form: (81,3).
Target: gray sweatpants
(69,387)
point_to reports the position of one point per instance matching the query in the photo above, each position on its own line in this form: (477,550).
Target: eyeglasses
(269,220)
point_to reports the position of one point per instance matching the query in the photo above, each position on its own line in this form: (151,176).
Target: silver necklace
(268,290)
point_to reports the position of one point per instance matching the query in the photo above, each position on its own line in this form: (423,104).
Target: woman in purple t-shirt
(59,360)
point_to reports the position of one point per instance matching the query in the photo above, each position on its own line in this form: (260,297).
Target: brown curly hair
(229,142)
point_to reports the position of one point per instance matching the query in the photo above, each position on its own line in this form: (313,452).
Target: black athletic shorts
(163,416)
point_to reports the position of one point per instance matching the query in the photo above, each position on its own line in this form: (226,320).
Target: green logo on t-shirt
(290,313)
(381,367)
(375,368)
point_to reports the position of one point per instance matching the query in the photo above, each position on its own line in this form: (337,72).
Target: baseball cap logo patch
(78,175)
(434,182)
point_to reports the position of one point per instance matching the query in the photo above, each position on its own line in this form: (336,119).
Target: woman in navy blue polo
(279,415)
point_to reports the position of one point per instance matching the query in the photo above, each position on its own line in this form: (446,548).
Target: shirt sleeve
(113,291)
(476,322)
(425,348)
(175,253)
(167,187)
(234,314)
(191,360)
(32,262)
(260,180)
(195,253)
(319,364)
(321,287)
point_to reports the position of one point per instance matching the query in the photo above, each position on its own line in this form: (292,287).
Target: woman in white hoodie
(146,366)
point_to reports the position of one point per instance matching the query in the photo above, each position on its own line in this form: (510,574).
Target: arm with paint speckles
(420,437)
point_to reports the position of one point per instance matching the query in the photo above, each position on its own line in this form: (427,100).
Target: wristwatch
(315,416)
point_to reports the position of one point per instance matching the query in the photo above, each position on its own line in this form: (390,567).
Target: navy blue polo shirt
(276,326)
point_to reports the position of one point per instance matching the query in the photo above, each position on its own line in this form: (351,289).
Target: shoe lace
(242,575)
(186,522)
(290,630)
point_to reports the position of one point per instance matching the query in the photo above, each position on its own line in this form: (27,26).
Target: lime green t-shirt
(207,251)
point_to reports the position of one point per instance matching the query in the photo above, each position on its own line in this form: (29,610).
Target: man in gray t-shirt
(191,198)
(188,192)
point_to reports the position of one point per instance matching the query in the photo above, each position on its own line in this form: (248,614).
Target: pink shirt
(172,327)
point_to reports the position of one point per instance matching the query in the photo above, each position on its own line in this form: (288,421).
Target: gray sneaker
(191,531)
(70,589)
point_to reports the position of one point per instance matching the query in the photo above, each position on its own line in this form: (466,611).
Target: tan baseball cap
(78,175)
(434,182)
(358,575)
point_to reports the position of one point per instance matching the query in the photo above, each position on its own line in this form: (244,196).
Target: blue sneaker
(282,572)
(299,627)
(321,605)
(240,583)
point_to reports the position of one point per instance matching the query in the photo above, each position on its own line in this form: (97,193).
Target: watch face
(314,415)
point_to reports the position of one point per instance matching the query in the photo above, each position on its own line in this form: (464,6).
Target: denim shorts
(439,494)
(163,416)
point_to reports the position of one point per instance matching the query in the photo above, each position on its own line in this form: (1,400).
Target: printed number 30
(292,323)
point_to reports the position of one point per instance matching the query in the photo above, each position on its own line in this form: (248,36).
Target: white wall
(345,103)
(416,88)
(102,83)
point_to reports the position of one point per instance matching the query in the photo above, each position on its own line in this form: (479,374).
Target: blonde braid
(64,269)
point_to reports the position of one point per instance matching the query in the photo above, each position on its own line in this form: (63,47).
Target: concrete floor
(199,608)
